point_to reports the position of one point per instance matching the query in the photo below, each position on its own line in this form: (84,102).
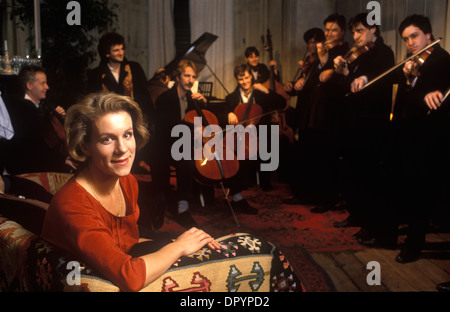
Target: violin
(305,68)
(419,60)
(353,54)
(356,52)
(215,169)
(328,45)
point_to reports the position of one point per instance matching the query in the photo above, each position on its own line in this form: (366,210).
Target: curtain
(161,34)
(215,17)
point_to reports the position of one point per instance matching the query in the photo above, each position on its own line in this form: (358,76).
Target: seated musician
(259,71)
(171,108)
(36,145)
(364,119)
(249,92)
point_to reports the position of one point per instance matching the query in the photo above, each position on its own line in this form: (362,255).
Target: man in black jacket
(364,119)
(315,163)
(416,166)
(117,74)
(248,92)
(171,109)
(36,146)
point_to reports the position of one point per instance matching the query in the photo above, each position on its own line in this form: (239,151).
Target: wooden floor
(348,269)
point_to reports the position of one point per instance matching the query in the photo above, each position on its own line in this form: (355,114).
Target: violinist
(335,26)
(417,167)
(171,108)
(316,157)
(36,146)
(363,118)
(249,92)
(306,67)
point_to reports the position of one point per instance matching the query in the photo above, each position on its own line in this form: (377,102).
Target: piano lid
(195,53)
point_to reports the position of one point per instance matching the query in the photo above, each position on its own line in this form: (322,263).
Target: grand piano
(196,53)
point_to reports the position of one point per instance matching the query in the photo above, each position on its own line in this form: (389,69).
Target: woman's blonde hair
(80,118)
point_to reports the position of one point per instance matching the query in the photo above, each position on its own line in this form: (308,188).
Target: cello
(54,134)
(214,170)
(249,114)
(278,87)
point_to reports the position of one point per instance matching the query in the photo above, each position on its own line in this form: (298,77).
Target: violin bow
(446,95)
(443,100)
(397,66)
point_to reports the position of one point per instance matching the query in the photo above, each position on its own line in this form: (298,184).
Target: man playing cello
(254,93)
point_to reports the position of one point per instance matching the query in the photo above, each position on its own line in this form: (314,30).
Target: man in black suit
(36,145)
(171,109)
(249,92)
(315,163)
(117,74)
(417,165)
(364,119)
(421,147)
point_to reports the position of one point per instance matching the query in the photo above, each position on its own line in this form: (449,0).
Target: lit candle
(6,46)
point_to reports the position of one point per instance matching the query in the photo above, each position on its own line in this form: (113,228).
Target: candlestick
(7,69)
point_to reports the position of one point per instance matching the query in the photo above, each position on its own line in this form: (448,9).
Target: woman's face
(112,145)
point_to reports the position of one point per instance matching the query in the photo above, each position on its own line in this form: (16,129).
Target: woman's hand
(193,240)
(187,243)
